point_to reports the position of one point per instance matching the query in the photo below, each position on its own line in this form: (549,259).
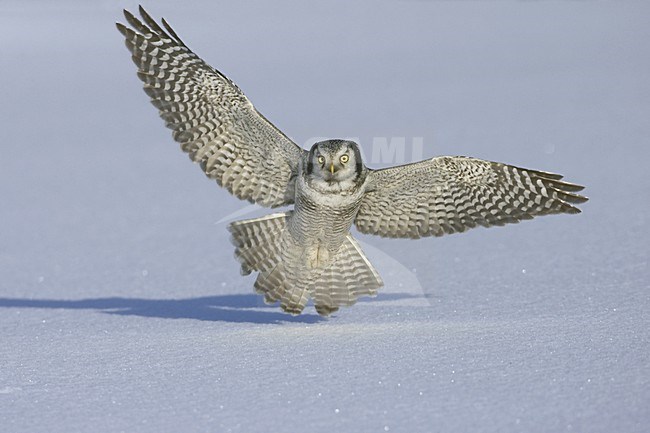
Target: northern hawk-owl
(308,251)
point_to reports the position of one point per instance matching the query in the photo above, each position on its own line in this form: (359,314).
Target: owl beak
(332,167)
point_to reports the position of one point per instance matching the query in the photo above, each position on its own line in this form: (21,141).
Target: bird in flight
(308,252)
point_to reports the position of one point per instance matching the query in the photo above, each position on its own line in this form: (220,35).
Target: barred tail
(257,241)
(259,248)
(283,276)
(348,277)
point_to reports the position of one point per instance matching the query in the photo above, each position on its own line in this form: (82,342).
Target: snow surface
(122,308)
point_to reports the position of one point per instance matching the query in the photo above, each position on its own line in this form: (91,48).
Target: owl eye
(321,159)
(345,158)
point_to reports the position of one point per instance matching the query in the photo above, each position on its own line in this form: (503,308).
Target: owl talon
(291,309)
(326,310)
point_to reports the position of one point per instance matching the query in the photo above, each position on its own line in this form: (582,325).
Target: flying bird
(308,252)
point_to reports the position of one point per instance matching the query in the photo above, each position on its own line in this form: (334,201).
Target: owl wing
(211,118)
(447,195)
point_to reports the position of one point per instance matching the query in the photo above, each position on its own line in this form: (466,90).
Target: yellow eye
(321,159)
(345,158)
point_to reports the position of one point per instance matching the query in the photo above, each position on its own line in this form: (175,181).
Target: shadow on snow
(225,308)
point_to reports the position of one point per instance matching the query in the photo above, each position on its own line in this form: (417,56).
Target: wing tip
(570,197)
(121,28)
(128,15)
(565,190)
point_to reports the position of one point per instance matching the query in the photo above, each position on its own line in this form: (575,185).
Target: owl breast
(322,219)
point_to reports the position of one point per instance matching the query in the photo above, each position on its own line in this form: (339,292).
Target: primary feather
(211,118)
(447,195)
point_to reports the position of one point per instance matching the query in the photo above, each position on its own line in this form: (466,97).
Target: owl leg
(317,257)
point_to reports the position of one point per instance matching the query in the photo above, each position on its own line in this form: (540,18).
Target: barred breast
(321,221)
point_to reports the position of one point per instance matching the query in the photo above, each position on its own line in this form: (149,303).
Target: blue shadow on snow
(222,308)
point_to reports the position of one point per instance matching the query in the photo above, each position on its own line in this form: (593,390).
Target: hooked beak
(332,167)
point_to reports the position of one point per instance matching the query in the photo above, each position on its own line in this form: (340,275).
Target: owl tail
(258,241)
(349,276)
(259,247)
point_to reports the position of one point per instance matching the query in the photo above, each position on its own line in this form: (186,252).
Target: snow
(122,307)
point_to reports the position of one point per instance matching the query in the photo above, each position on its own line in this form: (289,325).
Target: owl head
(335,161)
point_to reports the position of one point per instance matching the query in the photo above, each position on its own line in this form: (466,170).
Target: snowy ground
(122,309)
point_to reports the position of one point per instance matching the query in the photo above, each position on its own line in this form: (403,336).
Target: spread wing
(211,118)
(447,195)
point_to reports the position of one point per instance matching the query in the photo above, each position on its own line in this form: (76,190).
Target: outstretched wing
(211,118)
(452,194)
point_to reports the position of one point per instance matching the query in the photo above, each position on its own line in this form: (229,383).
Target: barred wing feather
(211,118)
(447,195)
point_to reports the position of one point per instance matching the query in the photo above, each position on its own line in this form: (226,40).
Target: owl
(308,252)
